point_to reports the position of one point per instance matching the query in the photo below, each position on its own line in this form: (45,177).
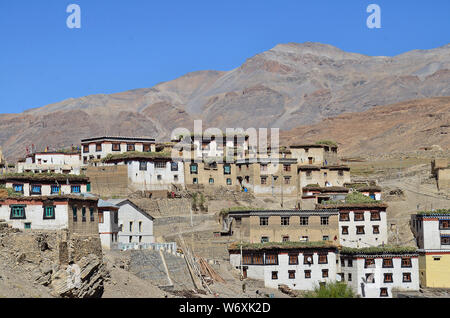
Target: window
(370,278)
(143,165)
(324,273)
(344,216)
(36,189)
(91,214)
(445,240)
(49,212)
(325,238)
(194,168)
(258,260)
(287,168)
(130,239)
(293,259)
(115,147)
(246,259)
(345,230)
(264,239)
(211,180)
(388,278)
(195,181)
(406,262)
(323,259)
(86,148)
(304,220)
(263,180)
(369,263)
(307,274)
(375,216)
(284,220)
(140,226)
(271,259)
(376,229)
(229,181)
(387,263)
(324,220)
(98,147)
(384,292)
(304,239)
(100,217)
(173,166)
(264,221)
(18,188)
(350,263)
(291,274)
(359,216)
(360,230)
(116,217)
(285,238)
(130,147)
(83,214)
(274,275)
(75,189)
(287,180)
(27,226)
(308,174)
(226,169)
(160,165)
(17,212)
(444,224)
(74,214)
(407,277)
(175,178)
(159,177)
(54,189)
(340,173)
(263,168)
(146,148)
(131,227)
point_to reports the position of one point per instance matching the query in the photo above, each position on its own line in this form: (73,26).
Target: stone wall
(109,180)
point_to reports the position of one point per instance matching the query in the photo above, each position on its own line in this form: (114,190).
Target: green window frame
(49,212)
(17,212)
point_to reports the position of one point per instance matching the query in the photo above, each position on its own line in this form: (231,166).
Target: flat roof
(246,213)
(380,250)
(64,197)
(118,138)
(283,246)
(50,177)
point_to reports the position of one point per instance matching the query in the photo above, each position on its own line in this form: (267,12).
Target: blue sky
(131,44)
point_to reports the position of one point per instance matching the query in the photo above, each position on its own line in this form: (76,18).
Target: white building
(299,266)
(74,213)
(100,147)
(146,172)
(135,225)
(374,273)
(45,184)
(108,224)
(53,162)
(361,224)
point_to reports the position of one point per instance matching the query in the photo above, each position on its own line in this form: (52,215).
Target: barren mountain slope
(403,126)
(287,86)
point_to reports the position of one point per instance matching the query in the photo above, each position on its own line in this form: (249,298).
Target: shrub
(332,290)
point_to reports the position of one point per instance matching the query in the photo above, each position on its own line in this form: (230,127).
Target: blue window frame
(75,189)
(226,169)
(27,226)
(194,168)
(54,189)
(36,189)
(17,212)
(49,212)
(18,188)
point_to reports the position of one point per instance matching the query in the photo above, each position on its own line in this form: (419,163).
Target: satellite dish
(309,259)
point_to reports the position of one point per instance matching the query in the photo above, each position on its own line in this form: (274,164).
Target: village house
(135,224)
(323,176)
(46,184)
(376,271)
(313,194)
(373,192)
(75,213)
(298,265)
(100,147)
(108,224)
(261,226)
(440,169)
(210,173)
(51,162)
(268,176)
(431,230)
(315,154)
(360,224)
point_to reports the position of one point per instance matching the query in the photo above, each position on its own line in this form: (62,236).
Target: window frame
(377,213)
(320,258)
(13,215)
(262,220)
(409,275)
(143,165)
(291,274)
(363,230)
(283,219)
(409,262)
(44,214)
(32,192)
(16,185)
(302,219)
(388,275)
(271,259)
(293,259)
(73,186)
(384,292)
(324,220)
(358,213)
(346,230)
(388,262)
(307,274)
(347,219)
(377,231)
(305,259)
(115,146)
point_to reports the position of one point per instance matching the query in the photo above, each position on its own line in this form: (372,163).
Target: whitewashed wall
(34,215)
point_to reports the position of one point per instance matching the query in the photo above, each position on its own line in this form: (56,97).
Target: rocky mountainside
(404,126)
(287,86)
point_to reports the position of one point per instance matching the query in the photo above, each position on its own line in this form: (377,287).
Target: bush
(332,290)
